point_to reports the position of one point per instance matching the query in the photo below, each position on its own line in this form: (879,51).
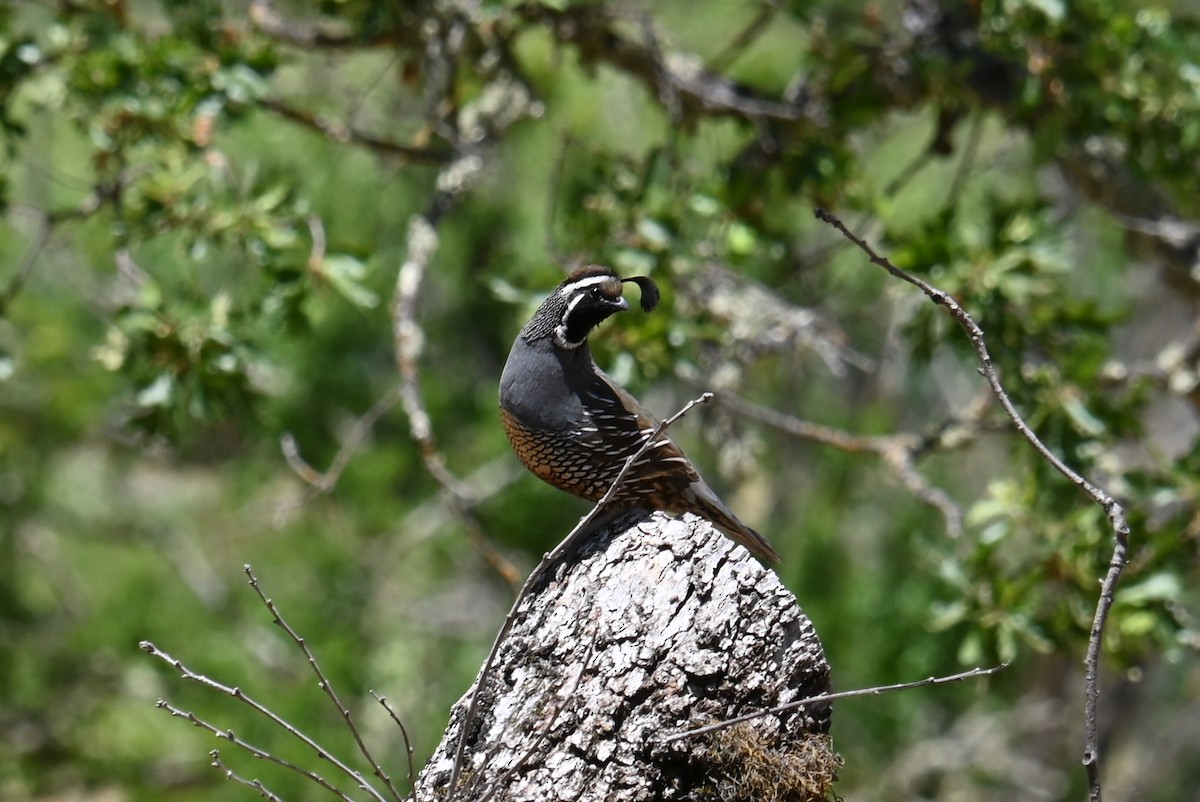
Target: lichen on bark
(652,626)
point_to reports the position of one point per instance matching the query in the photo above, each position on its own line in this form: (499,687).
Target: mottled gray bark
(653,626)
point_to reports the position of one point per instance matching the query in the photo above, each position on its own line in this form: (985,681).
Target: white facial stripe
(560,337)
(560,332)
(574,302)
(583,283)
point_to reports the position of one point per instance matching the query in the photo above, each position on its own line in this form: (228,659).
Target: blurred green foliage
(203,215)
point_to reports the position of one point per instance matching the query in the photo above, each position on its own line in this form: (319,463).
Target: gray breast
(539,385)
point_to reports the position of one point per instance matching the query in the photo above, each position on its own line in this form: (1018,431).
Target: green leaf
(1157,588)
(741,239)
(344,274)
(158,393)
(1084,420)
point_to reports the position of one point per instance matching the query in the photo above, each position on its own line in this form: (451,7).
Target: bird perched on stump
(575,427)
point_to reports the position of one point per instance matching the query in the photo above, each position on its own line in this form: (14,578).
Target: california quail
(575,427)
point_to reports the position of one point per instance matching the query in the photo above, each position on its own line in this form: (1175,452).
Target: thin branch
(502,103)
(268,21)
(745,37)
(301,467)
(322,681)
(565,145)
(256,784)
(596,31)
(505,103)
(1114,511)
(325,482)
(408,750)
(909,172)
(321,483)
(988,369)
(254,751)
(342,133)
(829,697)
(409,342)
(359,98)
(1091,752)
(970,152)
(47,222)
(237,693)
(898,452)
(584,527)
(25,269)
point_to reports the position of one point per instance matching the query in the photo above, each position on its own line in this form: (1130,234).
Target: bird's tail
(707,505)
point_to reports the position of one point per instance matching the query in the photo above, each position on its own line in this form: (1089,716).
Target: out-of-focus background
(204,211)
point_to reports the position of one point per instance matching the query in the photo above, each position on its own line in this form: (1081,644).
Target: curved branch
(237,693)
(1114,511)
(340,132)
(674,76)
(898,451)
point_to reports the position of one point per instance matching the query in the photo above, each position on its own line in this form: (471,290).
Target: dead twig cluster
(344,769)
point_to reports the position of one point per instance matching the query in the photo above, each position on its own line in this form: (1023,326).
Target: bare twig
(1091,753)
(1114,511)
(25,269)
(256,784)
(300,466)
(829,697)
(359,98)
(409,342)
(47,221)
(341,133)
(325,482)
(596,31)
(565,145)
(908,173)
(898,452)
(322,682)
(503,102)
(970,152)
(254,751)
(237,693)
(408,750)
(321,483)
(267,20)
(745,37)
(584,527)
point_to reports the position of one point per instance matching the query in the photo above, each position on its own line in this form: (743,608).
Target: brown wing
(618,426)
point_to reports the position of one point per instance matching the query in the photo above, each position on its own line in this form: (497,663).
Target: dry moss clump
(746,765)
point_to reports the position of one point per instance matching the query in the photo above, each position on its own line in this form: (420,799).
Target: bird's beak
(621,304)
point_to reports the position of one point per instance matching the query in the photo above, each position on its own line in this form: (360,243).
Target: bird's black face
(588,301)
(587,298)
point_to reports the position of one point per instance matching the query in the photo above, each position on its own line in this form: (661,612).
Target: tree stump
(653,626)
